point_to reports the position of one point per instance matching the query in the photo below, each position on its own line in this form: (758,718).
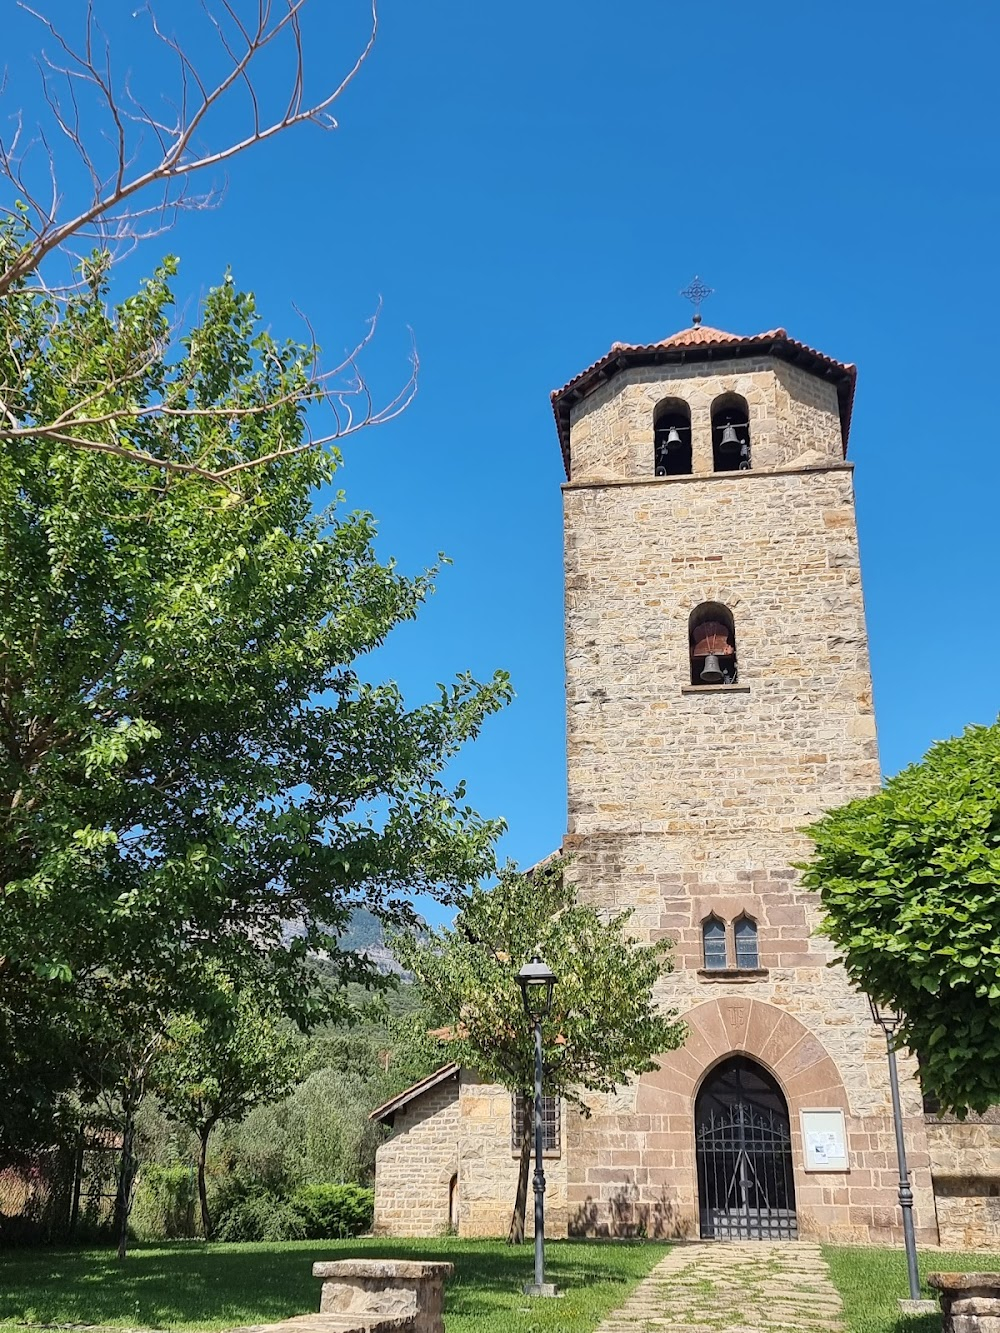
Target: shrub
(164,1207)
(334,1212)
(261,1217)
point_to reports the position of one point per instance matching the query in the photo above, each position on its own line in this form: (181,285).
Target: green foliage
(604,1025)
(261,1217)
(165,1201)
(235,1056)
(334,1212)
(909,881)
(192,771)
(321,1132)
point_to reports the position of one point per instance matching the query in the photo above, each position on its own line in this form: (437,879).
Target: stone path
(726,1287)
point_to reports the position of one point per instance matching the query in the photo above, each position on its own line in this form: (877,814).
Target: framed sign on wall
(824,1140)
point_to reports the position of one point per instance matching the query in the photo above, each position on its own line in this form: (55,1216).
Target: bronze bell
(730,440)
(711,672)
(673,437)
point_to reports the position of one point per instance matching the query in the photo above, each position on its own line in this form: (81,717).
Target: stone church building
(718,698)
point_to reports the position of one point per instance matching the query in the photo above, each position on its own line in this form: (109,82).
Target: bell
(730,440)
(711,672)
(673,437)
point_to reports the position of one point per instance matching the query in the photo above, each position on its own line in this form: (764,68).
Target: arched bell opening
(743,1148)
(672,438)
(712,645)
(730,434)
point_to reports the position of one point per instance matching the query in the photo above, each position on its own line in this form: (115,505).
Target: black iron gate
(744,1153)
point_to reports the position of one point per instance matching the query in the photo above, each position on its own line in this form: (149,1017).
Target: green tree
(909,880)
(192,771)
(220,1065)
(605,1025)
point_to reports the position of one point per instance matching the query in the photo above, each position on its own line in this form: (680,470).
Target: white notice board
(824,1140)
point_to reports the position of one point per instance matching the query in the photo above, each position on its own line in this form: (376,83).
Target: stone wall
(489,1166)
(686,801)
(794,417)
(457,1138)
(415,1167)
(965,1164)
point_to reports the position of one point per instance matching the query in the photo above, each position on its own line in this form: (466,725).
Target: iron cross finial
(696,291)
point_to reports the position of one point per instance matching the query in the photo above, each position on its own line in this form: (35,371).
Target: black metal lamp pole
(536,980)
(889,1020)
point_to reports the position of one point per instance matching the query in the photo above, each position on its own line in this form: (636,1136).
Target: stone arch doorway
(743,1149)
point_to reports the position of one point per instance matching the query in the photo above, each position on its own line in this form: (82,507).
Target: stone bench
(334,1323)
(376,1289)
(970,1302)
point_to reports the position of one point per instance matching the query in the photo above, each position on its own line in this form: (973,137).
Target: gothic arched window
(745,939)
(730,434)
(712,645)
(713,943)
(672,438)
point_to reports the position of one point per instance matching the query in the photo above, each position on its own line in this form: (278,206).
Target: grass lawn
(188,1285)
(871,1281)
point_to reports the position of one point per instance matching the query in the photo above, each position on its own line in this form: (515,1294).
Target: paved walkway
(725,1287)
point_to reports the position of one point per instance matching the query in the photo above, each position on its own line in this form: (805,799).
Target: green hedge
(164,1207)
(312,1212)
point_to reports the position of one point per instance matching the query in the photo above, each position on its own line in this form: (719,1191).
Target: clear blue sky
(525,184)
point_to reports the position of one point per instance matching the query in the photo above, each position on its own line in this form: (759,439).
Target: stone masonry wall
(685,801)
(965,1164)
(794,417)
(414,1168)
(489,1166)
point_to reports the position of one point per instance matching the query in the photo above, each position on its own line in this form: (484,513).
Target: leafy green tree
(909,880)
(605,1025)
(192,771)
(219,1065)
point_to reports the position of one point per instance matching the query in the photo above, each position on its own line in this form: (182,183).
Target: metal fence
(61,1194)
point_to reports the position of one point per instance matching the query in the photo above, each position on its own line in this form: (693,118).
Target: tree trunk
(126,1179)
(516,1234)
(206,1220)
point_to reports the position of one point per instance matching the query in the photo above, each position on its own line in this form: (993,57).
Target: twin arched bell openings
(716,953)
(672,439)
(712,644)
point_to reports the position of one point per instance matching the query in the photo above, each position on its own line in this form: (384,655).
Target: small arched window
(672,438)
(730,434)
(745,939)
(712,644)
(713,942)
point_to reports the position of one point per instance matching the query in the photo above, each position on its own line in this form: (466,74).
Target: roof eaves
(775,341)
(388,1109)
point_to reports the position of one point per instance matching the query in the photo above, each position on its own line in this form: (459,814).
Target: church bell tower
(718,699)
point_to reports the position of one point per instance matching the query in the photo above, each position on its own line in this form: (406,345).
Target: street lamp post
(889,1020)
(536,980)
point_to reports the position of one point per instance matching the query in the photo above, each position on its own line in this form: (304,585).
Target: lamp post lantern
(536,980)
(889,1020)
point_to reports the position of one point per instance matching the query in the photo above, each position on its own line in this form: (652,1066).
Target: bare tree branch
(134,198)
(178,158)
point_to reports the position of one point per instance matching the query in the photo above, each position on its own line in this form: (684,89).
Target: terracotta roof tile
(700,342)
